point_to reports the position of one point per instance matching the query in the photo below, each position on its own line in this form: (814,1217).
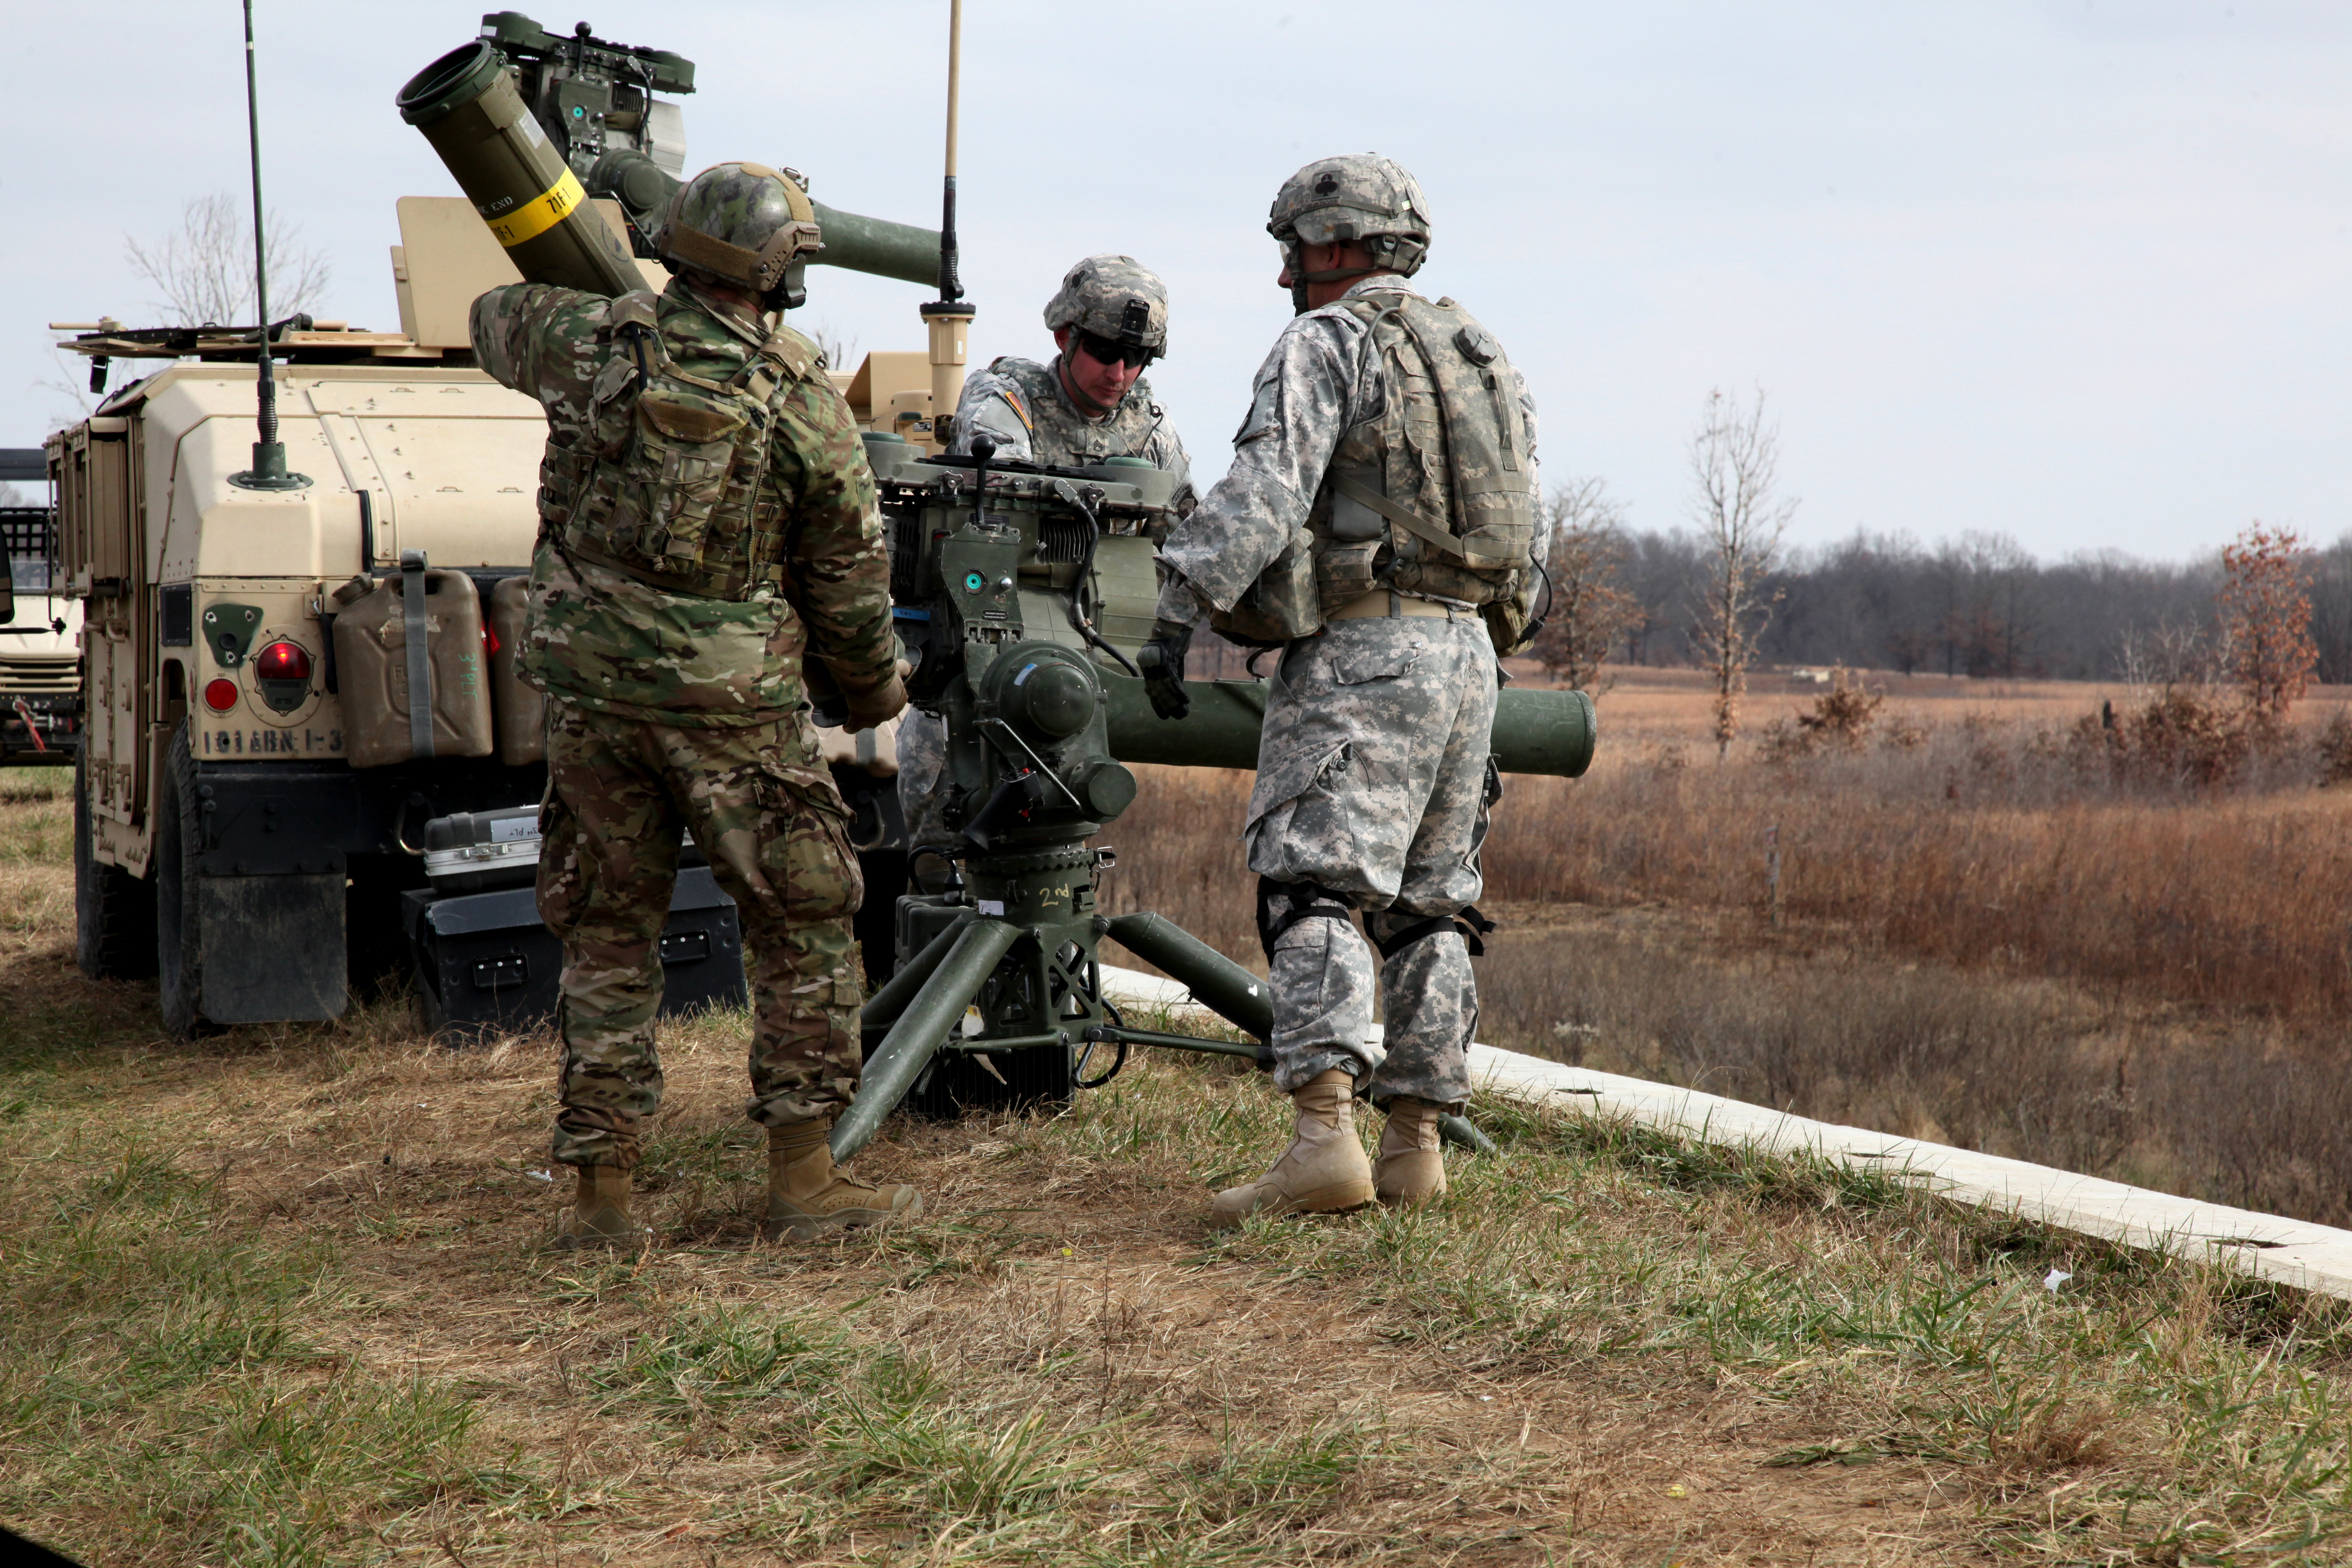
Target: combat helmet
(1358,198)
(747,224)
(1116,299)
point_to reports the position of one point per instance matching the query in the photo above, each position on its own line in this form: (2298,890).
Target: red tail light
(282,661)
(220,696)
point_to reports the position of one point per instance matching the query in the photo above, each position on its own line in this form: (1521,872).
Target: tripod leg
(1458,1131)
(1223,987)
(884,1007)
(916,1038)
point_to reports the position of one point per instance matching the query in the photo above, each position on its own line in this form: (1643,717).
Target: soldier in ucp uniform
(707,520)
(1109,319)
(1377,525)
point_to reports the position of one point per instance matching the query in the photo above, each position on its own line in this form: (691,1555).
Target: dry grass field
(1995,926)
(284,1298)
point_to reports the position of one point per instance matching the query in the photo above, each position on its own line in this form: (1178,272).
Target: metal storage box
(485,964)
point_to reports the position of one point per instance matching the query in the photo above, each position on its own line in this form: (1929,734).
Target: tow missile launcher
(1025,612)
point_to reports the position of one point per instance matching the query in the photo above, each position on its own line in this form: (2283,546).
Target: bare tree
(1585,555)
(203,271)
(838,347)
(1735,459)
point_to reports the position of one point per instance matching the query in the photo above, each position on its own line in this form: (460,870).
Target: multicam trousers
(1372,783)
(765,811)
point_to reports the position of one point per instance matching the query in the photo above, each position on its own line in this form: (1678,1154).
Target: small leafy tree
(1735,459)
(2265,613)
(1585,556)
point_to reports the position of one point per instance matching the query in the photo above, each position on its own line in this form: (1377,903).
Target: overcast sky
(2075,272)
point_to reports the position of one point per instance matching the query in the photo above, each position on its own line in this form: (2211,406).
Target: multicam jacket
(803,570)
(1322,402)
(1023,407)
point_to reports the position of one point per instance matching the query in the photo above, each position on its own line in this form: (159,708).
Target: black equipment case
(484,962)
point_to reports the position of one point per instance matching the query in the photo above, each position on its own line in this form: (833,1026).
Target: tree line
(1723,594)
(1979,606)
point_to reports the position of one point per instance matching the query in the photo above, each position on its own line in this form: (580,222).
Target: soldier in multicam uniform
(707,520)
(1109,319)
(1377,524)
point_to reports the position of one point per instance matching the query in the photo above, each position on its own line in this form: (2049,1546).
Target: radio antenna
(950,286)
(949,317)
(268,470)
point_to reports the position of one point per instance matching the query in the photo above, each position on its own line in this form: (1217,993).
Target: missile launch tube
(852,240)
(466,105)
(875,245)
(1535,732)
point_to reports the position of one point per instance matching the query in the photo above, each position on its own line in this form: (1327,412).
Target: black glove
(1163,662)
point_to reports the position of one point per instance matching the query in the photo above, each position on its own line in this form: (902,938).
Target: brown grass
(1993,938)
(1998,845)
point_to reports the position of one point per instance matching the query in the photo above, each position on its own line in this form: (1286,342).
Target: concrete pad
(2315,1257)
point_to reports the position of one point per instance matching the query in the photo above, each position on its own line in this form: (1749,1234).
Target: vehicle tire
(179,933)
(114,912)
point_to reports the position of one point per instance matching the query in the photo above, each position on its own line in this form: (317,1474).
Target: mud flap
(273,948)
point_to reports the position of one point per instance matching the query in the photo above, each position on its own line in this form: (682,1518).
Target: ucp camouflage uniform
(1022,405)
(1372,764)
(670,711)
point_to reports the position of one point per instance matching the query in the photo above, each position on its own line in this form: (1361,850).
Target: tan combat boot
(600,1212)
(806,1194)
(1410,1170)
(1324,1170)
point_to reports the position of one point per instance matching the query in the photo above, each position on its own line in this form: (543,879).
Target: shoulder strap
(1412,522)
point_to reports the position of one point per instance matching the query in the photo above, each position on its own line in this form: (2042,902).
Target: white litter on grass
(541,1175)
(2055,1277)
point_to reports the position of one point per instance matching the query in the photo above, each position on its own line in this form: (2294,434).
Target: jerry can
(518,709)
(420,632)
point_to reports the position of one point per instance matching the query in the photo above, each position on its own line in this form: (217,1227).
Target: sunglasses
(1102,351)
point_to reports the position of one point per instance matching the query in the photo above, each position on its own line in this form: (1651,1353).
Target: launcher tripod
(1016,597)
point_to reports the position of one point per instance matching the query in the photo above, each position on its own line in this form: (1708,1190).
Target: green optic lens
(972,582)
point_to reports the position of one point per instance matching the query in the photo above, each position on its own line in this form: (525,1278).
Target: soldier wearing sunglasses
(1109,321)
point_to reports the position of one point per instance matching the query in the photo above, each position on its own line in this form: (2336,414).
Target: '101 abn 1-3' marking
(271,742)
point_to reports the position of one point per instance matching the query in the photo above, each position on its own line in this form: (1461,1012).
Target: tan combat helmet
(1115,299)
(1360,198)
(747,224)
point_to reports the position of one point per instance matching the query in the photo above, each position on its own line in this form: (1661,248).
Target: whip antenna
(268,470)
(950,285)
(950,316)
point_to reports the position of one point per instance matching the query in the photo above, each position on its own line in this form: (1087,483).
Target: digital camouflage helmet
(1358,198)
(747,224)
(1116,299)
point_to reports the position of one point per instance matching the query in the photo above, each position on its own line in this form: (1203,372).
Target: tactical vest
(1435,496)
(669,485)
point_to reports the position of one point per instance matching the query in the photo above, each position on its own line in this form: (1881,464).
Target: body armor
(669,485)
(1435,497)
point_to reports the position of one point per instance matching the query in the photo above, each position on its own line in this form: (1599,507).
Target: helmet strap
(1078,400)
(1299,280)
